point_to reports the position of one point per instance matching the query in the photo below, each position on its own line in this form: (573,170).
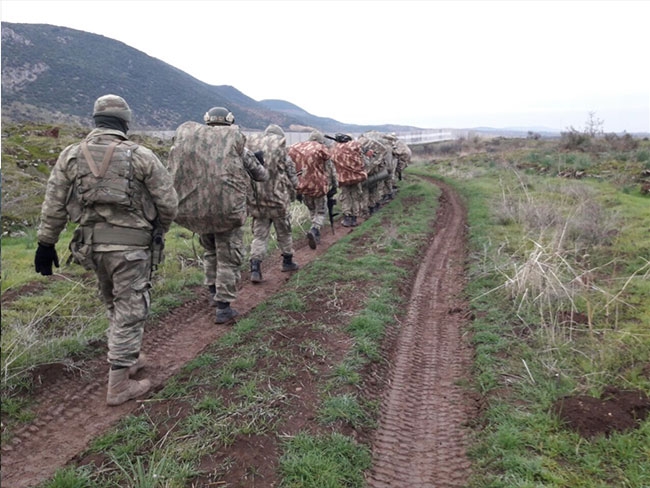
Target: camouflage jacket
(62,202)
(271,198)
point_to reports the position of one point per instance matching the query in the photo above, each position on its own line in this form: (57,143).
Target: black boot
(288,264)
(313,236)
(256,271)
(225,313)
(213,290)
(354,221)
(347,221)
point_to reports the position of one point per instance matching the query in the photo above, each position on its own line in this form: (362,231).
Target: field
(487,328)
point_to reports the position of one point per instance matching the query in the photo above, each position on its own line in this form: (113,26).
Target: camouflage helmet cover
(113,106)
(219,116)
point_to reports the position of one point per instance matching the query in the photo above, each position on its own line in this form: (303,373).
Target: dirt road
(420,441)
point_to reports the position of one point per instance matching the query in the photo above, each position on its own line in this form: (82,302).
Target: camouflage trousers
(222,261)
(124,280)
(371,195)
(351,200)
(317,207)
(261,227)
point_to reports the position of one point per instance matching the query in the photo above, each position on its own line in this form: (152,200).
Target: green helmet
(219,116)
(114,106)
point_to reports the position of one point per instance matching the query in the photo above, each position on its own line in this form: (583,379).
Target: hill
(53,74)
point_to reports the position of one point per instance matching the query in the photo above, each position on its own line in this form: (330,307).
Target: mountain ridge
(53,74)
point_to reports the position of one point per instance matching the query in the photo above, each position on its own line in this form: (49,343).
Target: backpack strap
(99,172)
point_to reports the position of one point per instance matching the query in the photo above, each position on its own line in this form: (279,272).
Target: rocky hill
(53,74)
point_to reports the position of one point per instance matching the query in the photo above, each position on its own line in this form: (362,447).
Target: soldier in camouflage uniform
(388,185)
(375,152)
(224,250)
(317,206)
(269,201)
(403,154)
(120,194)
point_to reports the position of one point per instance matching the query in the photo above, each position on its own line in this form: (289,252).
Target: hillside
(53,74)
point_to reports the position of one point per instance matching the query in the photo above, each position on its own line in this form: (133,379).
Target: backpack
(207,167)
(272,196)
(310,158)
(348,159)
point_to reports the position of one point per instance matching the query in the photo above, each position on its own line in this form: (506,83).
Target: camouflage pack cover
(375,153)
(272,197)
(348,159)
(310,158)
(206,165)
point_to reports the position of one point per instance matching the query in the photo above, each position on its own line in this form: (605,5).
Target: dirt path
(420,440)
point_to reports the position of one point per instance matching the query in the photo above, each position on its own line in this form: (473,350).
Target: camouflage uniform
(115,238)
(403,154)
(224,250)
(387,185)
(317,206)
(269,201)
(375,152)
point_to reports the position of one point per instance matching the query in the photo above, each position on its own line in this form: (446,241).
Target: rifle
(331,201)
(157,245)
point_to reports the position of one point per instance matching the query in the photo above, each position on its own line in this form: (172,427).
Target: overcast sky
(432,64)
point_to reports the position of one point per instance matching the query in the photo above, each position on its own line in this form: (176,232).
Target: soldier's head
(274,129)
(219,116)
(317,136)
(112,106)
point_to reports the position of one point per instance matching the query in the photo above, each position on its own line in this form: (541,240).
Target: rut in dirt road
(420,441)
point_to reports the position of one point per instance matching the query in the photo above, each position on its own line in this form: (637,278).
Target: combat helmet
(112,106)
(219,116)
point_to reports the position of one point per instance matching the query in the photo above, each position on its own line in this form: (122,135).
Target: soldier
(375,164)
(317,180)
(348,158)
(403,154)
(120,194)
(224,250)
(269,201)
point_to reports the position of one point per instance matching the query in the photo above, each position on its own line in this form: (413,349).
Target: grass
(541,246)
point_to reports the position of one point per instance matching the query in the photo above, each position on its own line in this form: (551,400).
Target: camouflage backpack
(270,197)
(209,176)
(348,159)
(310,158)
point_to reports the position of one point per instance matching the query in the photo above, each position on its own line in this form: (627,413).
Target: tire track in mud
(71,409)
(420,441)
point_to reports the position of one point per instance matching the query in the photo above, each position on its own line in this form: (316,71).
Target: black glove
(331,193)
(260,156)
(299,197)
(45,256)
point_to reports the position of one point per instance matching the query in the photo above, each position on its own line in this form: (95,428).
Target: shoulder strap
(99,172)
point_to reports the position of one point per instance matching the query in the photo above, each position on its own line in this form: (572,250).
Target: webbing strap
(99,172)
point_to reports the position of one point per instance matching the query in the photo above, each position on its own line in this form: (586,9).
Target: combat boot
(288,264)
(139,364)
(122,389)
(354,221)
(347,221)
(213,291)
(225,313)
(313,236)
(256,271)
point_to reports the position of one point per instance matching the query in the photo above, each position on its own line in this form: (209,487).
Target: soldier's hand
(45,257)
(299,197)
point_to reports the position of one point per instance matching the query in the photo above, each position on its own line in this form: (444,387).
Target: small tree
(594,125)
